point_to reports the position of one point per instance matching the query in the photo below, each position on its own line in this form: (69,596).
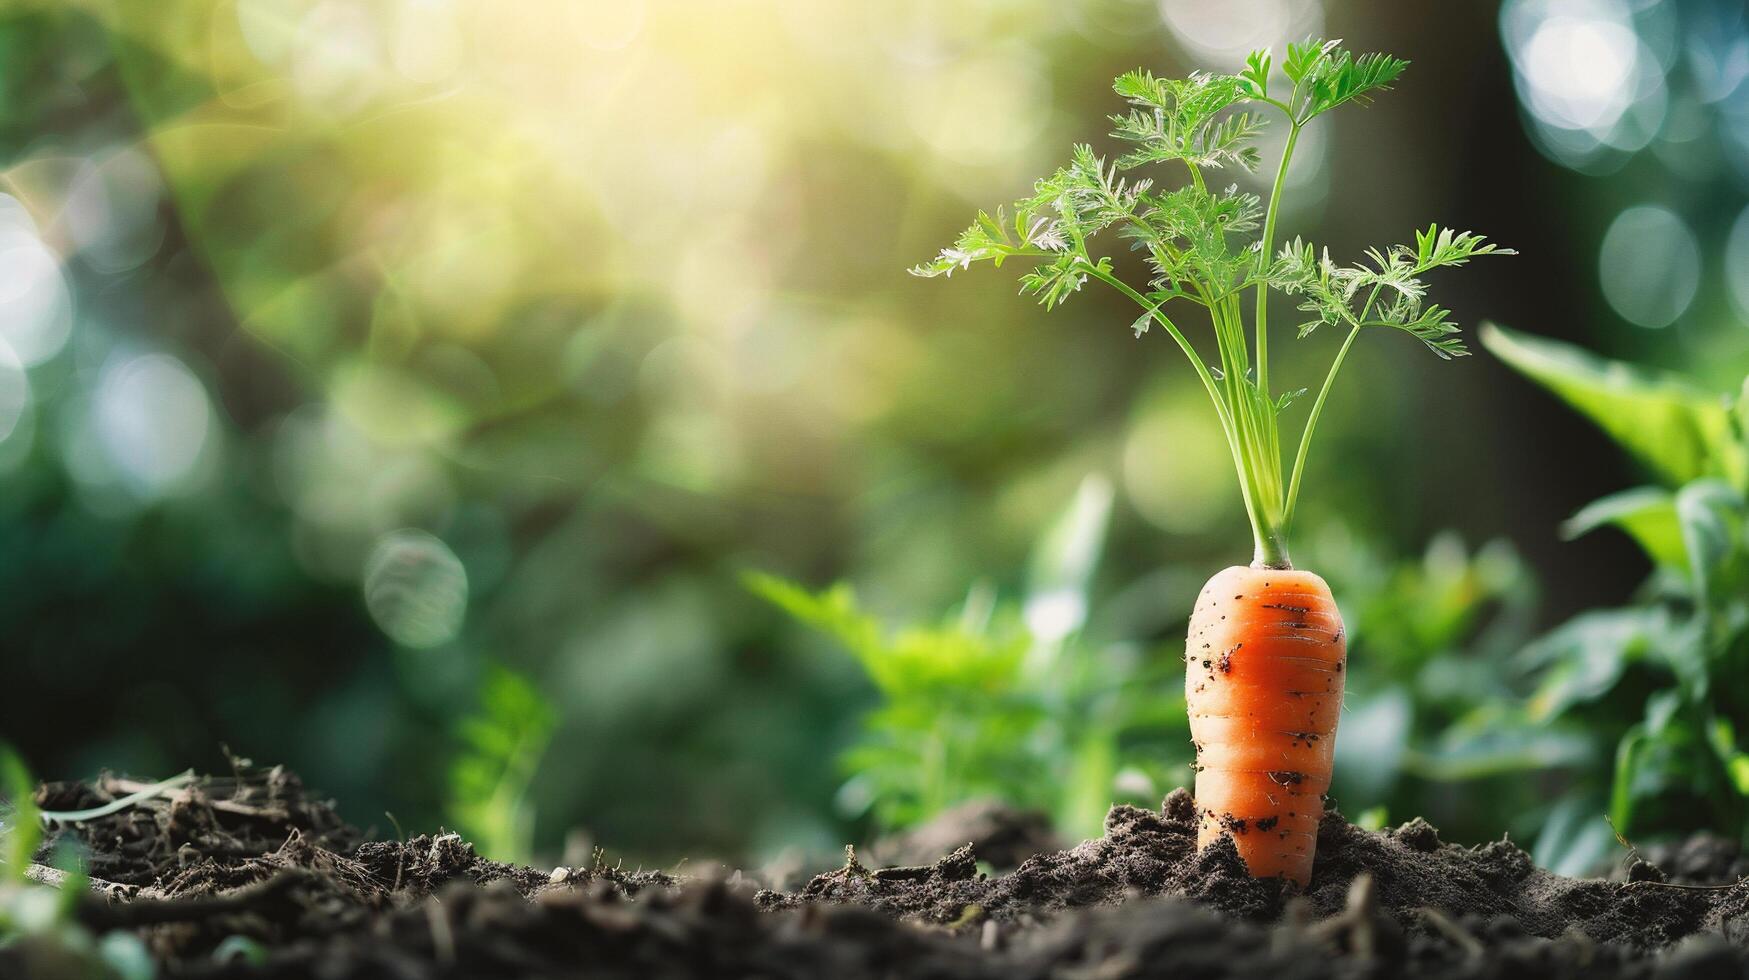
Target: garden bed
(247,875)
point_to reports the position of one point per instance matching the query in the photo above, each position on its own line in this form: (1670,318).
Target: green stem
(1259,475)
(1261,320)
(1271,544)
(1293,487)
(1202,370)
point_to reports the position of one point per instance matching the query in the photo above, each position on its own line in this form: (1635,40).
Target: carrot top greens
(1208,247)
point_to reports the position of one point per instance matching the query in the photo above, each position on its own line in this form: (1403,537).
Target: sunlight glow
(1226,32)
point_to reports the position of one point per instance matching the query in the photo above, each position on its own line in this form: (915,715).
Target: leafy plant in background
(502,744)
(1664,682)
(1004,701)
(1437,636)
(39,919)
(19,820)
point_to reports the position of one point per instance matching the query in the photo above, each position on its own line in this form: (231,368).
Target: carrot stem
(1261,320)
(1293,487)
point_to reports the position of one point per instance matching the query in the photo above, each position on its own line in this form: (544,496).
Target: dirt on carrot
(252,861)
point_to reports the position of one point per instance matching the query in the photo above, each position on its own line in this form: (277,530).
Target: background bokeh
(357,350)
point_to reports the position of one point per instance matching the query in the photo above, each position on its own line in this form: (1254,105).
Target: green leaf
(1304,55)
(1489,741)
(1184,119)
(126,956)
(20,819)
(1723,736)
(1372,741)
(1576,838)
(1646,514)
(502,743)
(1678,430)
(1326,76)
(989,239)
(1060,574)
(237,948)
(1584,658)
(1621,790)
(1711,516)
(833,611)
(1339,77)
(1256,74)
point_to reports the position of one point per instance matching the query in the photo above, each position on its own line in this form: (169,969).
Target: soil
(248,875)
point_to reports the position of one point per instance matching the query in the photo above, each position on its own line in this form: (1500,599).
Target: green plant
(1003,700)
(1662,683)
(1198,247)
(38,931)
(1439,635)
(19,820)
(502,745)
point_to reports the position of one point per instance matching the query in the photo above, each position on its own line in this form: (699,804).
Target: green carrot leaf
(1255,78)
(988,239)
(1304,56)
(1184,119)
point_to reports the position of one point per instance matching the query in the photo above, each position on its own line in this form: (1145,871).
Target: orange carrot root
(1263,681)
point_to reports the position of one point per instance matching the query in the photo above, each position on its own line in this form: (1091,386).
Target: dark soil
(248,876)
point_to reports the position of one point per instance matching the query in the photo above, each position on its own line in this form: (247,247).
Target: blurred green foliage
(1428,701)
(1661,685)
(19,819)
(37,926)
(1006,701)
(501,747)
(1017,703)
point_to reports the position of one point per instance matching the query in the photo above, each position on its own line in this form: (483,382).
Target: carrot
(1266,644)
(1263,681)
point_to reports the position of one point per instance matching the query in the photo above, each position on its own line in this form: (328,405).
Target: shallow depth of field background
(356,348)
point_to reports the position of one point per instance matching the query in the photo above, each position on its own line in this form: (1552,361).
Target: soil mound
(247,875)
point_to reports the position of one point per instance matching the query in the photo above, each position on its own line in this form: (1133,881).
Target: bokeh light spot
(1227,32)
(1737,265)
(1649,265)
(14,392)
(415,589)
(1587,76)
(36,310)
(151,417)
(111,213)
(1580,70)
(339,56)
